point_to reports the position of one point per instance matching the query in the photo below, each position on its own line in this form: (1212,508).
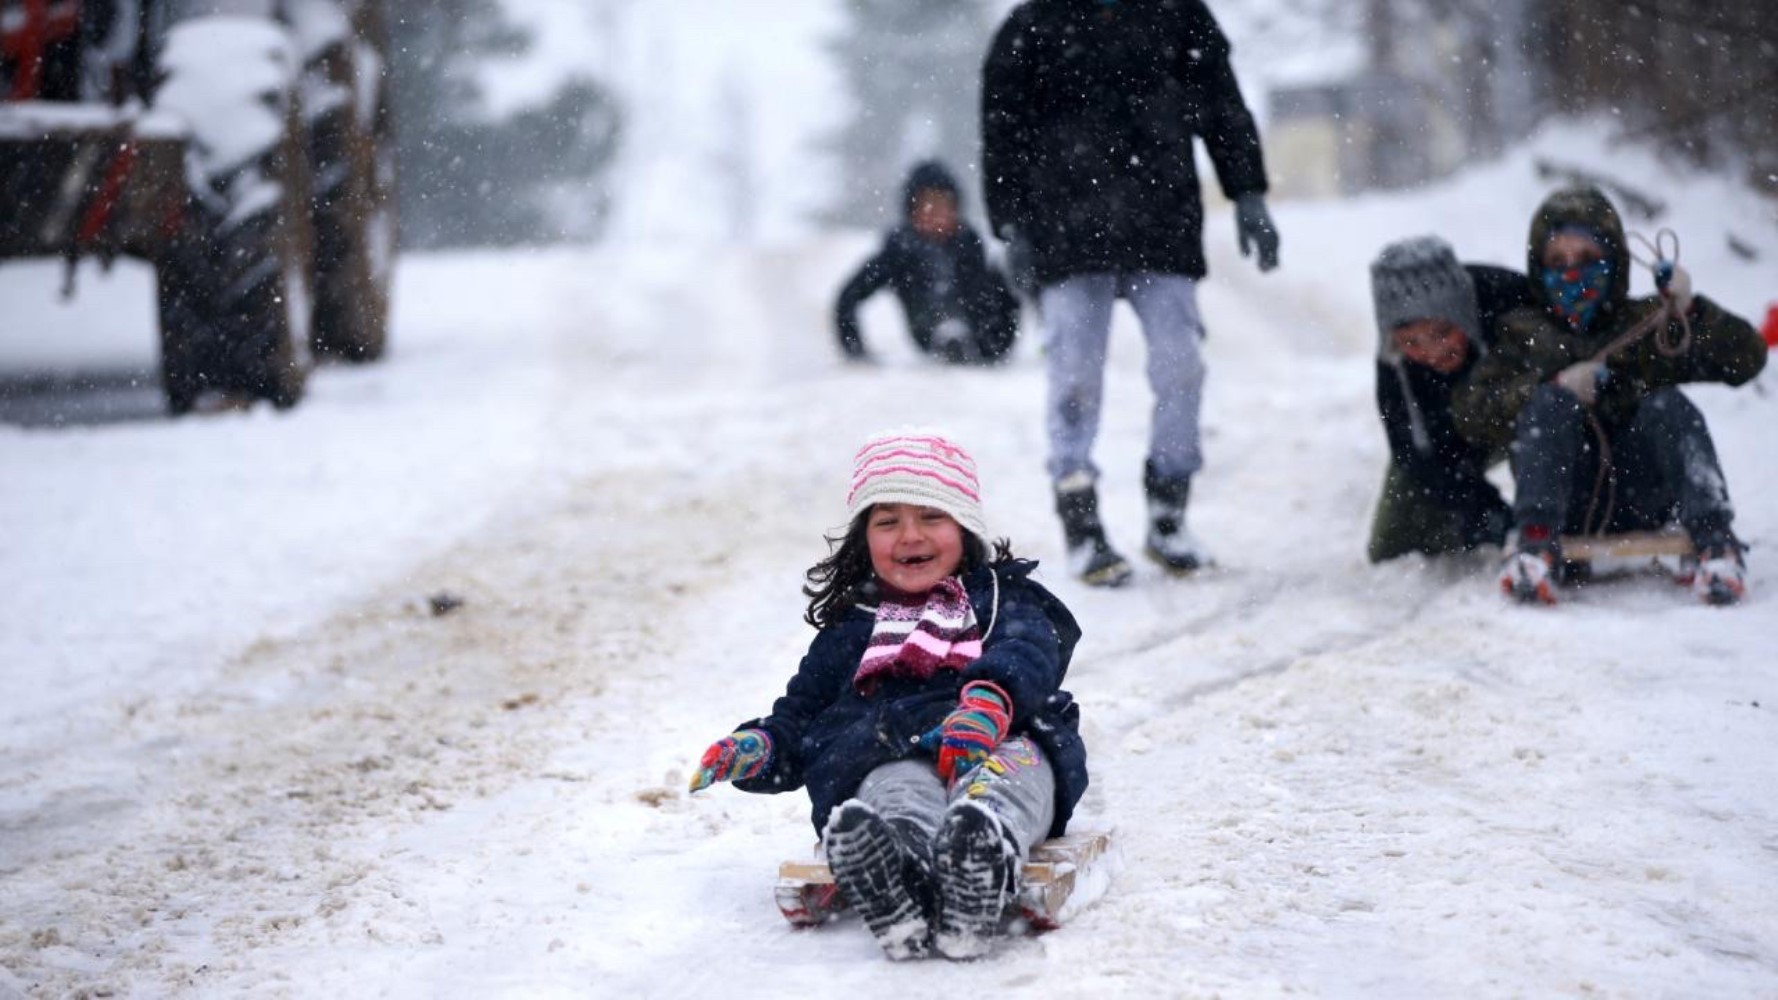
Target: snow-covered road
(239,756)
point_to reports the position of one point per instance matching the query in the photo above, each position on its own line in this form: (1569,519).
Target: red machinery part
(24,40)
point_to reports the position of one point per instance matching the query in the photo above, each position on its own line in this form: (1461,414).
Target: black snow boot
(885,873)
(1090,556)
(1169,543)
(978,871)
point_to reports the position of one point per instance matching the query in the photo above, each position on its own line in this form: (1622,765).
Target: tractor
(243,148)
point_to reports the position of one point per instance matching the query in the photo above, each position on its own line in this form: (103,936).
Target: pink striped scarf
(917,636)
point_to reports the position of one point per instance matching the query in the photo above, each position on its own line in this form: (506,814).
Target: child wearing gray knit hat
(1420,279)
(1435,318)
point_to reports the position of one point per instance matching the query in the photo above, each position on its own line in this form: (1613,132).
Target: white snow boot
(978,868)
(884,877)
(1170,543)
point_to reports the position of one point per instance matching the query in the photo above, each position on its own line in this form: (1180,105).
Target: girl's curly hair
(845,577)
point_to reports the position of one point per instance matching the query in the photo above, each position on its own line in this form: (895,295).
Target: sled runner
(1057,870)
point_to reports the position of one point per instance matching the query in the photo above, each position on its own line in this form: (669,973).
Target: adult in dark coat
(1089,112)
(957,305)
(1435,319)
(1586,376)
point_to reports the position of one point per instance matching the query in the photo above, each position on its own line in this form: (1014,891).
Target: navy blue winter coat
(827,736)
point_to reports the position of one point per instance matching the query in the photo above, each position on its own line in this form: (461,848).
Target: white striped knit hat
(917,467)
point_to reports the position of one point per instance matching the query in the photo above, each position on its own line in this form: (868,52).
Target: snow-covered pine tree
(462,185)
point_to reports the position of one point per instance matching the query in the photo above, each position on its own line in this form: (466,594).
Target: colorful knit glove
(973,729)
(735,757)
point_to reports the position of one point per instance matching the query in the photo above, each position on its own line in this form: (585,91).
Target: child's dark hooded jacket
(1533,345)
(1414,403)
(827,736)
(933,280)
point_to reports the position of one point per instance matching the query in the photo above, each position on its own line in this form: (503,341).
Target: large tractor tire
(234,289)
(351,151)
(190,342)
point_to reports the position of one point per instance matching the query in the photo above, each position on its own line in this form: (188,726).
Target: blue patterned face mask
(1576,293)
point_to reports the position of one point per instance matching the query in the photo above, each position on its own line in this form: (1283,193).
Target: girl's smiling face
(912,548)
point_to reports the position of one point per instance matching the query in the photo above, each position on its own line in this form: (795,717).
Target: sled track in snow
(1248,599)
(273,802)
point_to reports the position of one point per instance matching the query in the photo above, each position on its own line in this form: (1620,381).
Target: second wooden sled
(1057,870)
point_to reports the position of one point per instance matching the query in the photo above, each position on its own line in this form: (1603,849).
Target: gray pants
(1663,464)
(1076,330)
(1017,783)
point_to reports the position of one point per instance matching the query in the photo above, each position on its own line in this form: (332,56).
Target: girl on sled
(927,719)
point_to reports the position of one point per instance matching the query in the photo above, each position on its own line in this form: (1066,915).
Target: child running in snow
(927,719)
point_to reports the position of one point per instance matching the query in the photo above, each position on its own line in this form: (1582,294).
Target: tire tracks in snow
(263,808)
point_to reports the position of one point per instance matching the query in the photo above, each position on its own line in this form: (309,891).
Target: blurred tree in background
(912,69)
(468,179)
(1700,77)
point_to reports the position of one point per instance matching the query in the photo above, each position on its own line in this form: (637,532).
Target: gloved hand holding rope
(1674,285)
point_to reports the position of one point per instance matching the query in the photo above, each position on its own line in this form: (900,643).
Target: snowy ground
(237,756)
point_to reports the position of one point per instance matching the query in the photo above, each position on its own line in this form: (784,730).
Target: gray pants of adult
(1022,794)
(1076,331)
(1663,467)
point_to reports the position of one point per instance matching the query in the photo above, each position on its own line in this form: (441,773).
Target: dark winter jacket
(1446,467)
(1088,114)
(934,280)
(827,736)
(1534,344)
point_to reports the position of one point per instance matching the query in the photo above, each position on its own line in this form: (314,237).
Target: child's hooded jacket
(827,736)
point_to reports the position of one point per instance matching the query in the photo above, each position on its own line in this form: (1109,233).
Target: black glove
(1253,228)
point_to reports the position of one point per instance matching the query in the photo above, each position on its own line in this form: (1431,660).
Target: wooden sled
(807,895)
(1629,545)
(1598,558)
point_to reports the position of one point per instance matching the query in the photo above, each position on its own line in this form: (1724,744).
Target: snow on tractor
(242,147)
